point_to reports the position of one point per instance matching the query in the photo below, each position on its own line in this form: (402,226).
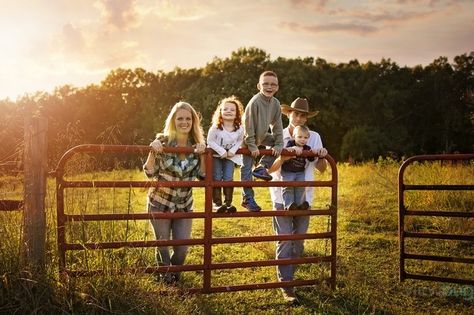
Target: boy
(262,111)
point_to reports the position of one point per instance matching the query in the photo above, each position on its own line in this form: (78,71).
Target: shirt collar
(286,134)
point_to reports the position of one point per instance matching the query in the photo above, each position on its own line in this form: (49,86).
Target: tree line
(366,110)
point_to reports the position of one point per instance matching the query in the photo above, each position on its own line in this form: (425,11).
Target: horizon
(50,45)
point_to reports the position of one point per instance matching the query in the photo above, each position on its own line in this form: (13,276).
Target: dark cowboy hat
(300,105)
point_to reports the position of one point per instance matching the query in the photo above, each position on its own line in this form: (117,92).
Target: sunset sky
(45,44)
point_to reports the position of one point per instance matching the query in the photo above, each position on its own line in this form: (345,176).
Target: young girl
(182,129)
(225,137)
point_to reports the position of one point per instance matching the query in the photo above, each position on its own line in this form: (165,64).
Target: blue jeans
(176,229)
(223,169)
(293,194)
(290,248)
(248,161)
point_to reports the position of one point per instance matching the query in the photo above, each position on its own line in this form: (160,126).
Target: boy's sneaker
(304,206)
(251,205)
(262,173)
(290,297)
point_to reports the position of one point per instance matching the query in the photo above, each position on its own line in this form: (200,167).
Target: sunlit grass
(367,250)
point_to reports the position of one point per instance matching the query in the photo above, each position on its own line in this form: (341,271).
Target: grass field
(367,252)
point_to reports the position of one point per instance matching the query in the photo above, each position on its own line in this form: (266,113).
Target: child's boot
(217,200)
(228,194)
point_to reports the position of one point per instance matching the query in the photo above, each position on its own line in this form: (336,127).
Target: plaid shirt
(169,167)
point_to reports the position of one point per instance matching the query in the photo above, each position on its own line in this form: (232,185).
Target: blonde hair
(170,127)
(302,128)
(217,119)
(267,73)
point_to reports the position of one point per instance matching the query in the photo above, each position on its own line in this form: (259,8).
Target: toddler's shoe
(262,173)
(292,206)
(304,206)
(251,205)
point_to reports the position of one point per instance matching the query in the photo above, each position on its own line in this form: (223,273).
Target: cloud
(356,28)
(318,5)
(397,17)
(370,19)
(70,40)
(188,11)
(120,14)
(429,2)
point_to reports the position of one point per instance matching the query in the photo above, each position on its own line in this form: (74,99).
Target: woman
(182,129)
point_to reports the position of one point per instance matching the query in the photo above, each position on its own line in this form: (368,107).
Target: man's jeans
(290,248)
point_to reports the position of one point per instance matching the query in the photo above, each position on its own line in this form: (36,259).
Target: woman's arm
(150,162)
(200,151)
(156,148)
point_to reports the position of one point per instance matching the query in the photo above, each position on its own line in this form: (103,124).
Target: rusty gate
(208,216)
(403,212)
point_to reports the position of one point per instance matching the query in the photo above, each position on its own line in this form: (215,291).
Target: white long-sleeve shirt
(221,141)
(314,142)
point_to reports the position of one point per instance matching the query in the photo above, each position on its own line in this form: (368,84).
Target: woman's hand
(199,148)
(156,146)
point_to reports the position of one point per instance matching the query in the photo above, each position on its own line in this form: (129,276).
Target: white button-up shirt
(314,142)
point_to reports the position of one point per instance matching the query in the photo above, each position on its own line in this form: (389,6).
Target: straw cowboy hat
(300,105)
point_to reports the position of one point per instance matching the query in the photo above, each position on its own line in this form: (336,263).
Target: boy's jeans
(246,169)
(293,194)
(290,248)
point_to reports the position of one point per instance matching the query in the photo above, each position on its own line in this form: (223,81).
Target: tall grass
(367,251)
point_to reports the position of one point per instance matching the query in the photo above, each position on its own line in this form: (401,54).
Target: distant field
(367,251)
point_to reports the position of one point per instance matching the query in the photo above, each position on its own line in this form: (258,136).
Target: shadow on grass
(327,302)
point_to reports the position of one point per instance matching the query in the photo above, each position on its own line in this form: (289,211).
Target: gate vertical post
(401,223)
(35,172)
(334,223)
(208,221)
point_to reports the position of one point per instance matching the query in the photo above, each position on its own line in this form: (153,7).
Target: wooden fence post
(35,172)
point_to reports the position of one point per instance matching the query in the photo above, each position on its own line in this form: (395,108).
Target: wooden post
(35,172)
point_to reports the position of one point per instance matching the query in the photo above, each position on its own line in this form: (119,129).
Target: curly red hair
(239,109)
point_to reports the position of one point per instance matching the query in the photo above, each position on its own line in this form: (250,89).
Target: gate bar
(402,212)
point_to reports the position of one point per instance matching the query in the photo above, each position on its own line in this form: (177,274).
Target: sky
(46,44)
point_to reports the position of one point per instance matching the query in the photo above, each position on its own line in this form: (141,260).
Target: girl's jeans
(223,169)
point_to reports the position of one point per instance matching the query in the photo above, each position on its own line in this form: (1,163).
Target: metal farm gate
(404,212)
(208,240)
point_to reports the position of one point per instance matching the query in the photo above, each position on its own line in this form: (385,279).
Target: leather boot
(228,194)
(217,200)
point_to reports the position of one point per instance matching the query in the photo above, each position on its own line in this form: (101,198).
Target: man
(298,113)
